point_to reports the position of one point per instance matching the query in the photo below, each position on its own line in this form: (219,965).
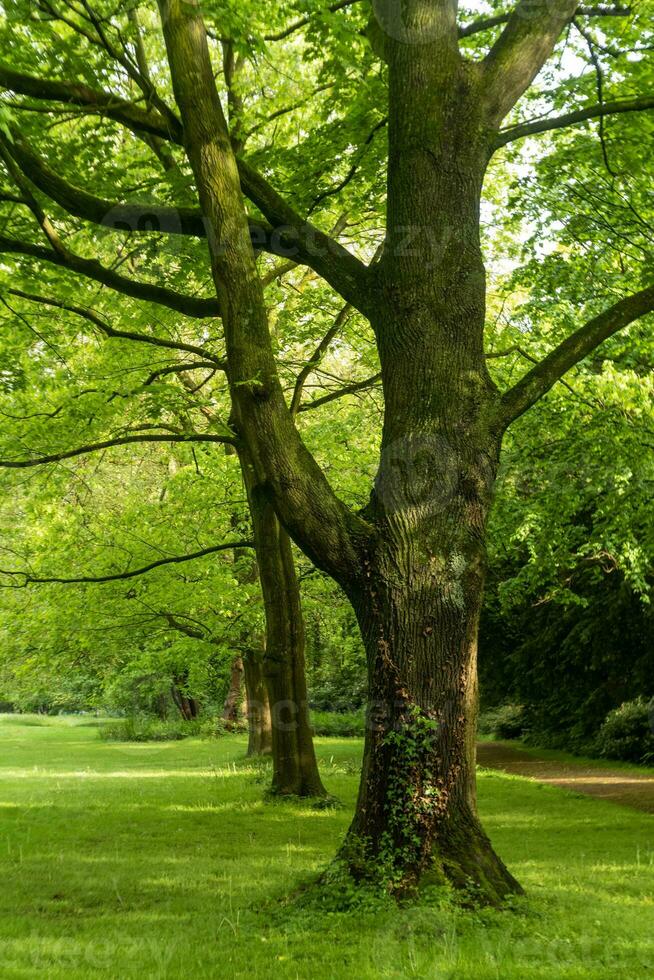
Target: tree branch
(582,342)
(522,49)
(108,443)
(349,389)
(293,238)
(317,356)
(597,110)
(287,235)
(286,472)
(109,331)
(190,306)
(488,23)
(95,101)
(303,21)
(28,579)
(180,369)
(111,214)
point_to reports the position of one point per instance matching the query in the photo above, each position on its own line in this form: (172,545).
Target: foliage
(47,691)
(628,733)
(140,728)
(568,662)
(145,728)
(338,724)
(505,722)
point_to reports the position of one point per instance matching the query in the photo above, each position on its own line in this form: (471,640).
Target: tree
(412,561)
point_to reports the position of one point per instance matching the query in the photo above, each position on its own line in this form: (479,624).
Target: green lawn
(161,860)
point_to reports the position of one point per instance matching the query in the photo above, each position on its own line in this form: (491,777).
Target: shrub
(505,722)
(347,724)
(215,727)
(141,728)
(628,733)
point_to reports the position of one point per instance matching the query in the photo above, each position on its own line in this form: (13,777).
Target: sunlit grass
(163,861)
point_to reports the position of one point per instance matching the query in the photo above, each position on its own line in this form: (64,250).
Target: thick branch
(597,110)
(582,342)
(129,114)
(293,238)
(112,214)
(306,504)
(28,579)
(488,23)
(522,49)
(287,235)
(108,443)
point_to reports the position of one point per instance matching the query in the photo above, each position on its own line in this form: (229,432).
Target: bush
(141,728)
(347,724)
(215,727)
(628,733)
(505,722)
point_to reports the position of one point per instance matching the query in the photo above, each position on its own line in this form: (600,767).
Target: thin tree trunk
(188,707)
(295,769)
(233,699)
(260,741)
(278,717)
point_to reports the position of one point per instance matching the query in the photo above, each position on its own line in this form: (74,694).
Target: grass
(160,860)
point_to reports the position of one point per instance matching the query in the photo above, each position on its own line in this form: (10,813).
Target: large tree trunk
(419,597)
(416,815)
(260,741)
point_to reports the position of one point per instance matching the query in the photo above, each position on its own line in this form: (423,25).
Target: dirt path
(606,782)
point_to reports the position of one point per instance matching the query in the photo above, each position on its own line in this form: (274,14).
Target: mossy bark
(416,814)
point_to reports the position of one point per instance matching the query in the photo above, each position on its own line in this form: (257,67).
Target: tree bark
(413,562)
(233,699)
(416,815)
(260,741)
(188,707)
(295,769)
(275,676)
